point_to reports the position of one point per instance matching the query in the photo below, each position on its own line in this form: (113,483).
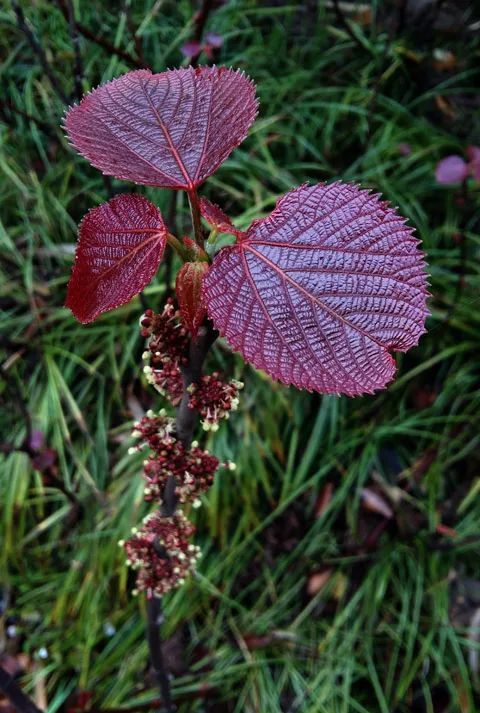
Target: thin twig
(200,19)
(38,50)
(19,699)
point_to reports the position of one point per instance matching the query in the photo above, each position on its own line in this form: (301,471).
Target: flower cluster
(161,552)
(193,469)
(214,399)
(166,350)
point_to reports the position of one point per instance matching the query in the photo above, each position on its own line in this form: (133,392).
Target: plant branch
(19,699)
(201,17)
(186,421)
(191,373)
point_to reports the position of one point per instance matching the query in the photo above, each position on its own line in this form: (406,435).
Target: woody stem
(185,423)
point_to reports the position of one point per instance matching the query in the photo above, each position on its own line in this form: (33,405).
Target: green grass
(388,631)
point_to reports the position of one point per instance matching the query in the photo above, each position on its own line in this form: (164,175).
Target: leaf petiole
(179,248)
(196,216)
(212,237)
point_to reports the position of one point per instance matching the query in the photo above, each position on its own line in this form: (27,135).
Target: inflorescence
(193,468)
(161,551)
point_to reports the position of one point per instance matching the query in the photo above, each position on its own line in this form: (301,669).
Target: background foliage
(341,558)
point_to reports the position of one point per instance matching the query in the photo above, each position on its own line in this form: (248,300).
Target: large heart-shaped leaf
(319,292)
(172,129)
(119,249)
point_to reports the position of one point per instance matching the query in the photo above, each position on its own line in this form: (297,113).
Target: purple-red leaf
(451,170)
(319,292)
(189,294)
(120,247)
(172,129)
(217,218)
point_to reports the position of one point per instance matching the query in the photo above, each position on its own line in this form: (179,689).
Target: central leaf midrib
(171,145)
(127,255)
(310,297)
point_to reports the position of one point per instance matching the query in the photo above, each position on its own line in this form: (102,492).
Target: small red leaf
(319,292)
(189,295)
(120,247)
(172,129)
(217,218)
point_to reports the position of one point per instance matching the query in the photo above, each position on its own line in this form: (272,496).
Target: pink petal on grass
(451,170)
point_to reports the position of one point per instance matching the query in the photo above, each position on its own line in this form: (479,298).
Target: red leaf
(189,295)
(120,247)
(317,293)
(172,129)
(217,218)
